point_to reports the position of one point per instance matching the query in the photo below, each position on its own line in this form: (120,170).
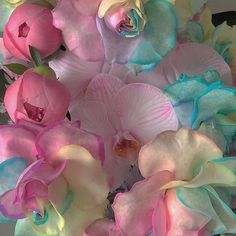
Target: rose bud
(37,96)
(31,25)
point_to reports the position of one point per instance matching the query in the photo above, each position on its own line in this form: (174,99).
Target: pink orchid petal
(85,41)
(17,141)
(188,150)
(74,73)
(144,111)
(133,210)
(94,119)
(65,133)
(103,88)
(102,227)
(181,61)
(181,220)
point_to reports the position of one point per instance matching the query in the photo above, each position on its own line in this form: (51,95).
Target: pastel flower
(125,116)
(37,97)
(73,184)
(187,189)
(26,27)
(122,31)
(191,98)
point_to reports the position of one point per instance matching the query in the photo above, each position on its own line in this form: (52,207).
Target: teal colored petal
(228,217)
(159,35)
(185,89)
(216,99)
(10,171)
(198,200)
(23,228)
(5,12)
(195,32)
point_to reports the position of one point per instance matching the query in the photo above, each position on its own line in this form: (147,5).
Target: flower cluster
(122,118)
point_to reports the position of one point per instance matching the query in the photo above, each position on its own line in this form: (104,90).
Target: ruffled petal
(16,141)
(74,73)
(188,150)
(133,210)
(85,176)
(180,219)
(66,133)
(10,171)
(102,227)
(79,31)
(158,38)
(144,111)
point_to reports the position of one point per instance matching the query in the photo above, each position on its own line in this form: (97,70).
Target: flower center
(40,219)
(23,30)
(33,112)
(125,145)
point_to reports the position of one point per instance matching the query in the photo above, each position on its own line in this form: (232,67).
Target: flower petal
(133,210)
(84,175)
(79,31)
(104,227)
(74,73)
(13,146)
(144,111)
(188,150)
(66,133)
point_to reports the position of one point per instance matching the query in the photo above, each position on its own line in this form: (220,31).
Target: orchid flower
(120,29)
(193,96)
(187,189)
(126,117)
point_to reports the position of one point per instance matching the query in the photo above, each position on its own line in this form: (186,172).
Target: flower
(120,30)
(73,184)
(126,117)
(187,189)
(37,97)
(191,98)
(26,27)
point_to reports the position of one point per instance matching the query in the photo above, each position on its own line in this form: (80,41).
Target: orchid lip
(34,113)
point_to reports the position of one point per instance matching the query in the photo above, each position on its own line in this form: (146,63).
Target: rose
(31,25)
(37,97)
(120,29)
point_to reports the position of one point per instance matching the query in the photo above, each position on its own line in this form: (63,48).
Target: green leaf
(16,68)
(35,56)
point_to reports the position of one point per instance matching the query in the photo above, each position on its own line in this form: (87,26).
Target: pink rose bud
(31,25)
(37,97)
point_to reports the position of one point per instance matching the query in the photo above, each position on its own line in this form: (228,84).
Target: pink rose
(37,97)
(31,25)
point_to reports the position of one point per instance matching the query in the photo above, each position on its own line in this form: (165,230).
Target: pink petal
(144,111)
(181,61)
(57,135)
(181,220)
(102,227)
(103,88)
(89,7)
(74,73)
(133,210)
(79,31)
(17,141)
(94,119)
(9,207)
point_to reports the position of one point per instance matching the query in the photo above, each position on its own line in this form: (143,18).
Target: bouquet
(119,118)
